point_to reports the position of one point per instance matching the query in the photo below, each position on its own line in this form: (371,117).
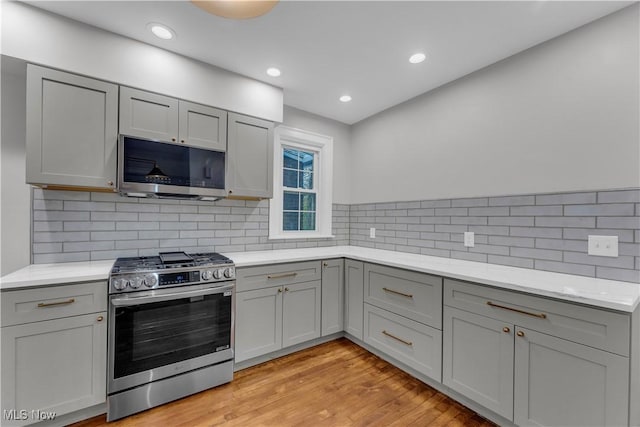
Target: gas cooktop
(169,269)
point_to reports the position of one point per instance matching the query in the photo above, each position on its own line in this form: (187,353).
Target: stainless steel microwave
(148,168)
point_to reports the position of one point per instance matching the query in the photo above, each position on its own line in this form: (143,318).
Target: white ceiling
(329,48)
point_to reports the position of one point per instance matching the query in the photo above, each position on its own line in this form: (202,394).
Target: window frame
(322,147)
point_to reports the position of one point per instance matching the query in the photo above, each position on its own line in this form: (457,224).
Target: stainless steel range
(171,328)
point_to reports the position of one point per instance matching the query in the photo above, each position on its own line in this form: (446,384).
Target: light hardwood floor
(333,384)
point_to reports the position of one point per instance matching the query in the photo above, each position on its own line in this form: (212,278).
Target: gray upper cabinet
(202,126)
(250,157)
(148,115)
(159,117)
(72,130)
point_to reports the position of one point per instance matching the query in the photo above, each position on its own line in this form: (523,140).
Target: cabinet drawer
(417,296)
(251,278)
(34,305)
(590,326)
(416,345)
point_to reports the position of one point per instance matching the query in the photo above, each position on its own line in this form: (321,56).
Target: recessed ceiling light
(417,58)
(345,98)
(273,72)
(161,31)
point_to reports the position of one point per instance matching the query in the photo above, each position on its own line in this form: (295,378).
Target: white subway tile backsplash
(545,232)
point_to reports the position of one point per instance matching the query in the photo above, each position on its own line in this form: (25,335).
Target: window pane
(290,221)
(307,221)
(307,202)
(291,201)
(290,159)
(290,178)
(306,180)
(306,161)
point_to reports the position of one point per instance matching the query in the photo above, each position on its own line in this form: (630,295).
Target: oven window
(151,335)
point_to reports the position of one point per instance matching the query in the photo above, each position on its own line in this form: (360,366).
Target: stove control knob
(229,273)
(119,284)
(207,274)
(136,282)
(217,273)
(149,280)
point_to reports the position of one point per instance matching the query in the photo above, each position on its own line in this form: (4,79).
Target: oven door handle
(129,301)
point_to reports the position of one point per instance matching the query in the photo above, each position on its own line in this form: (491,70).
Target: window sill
(300,236)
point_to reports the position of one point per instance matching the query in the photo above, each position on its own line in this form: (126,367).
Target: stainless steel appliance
(148,168)
(171,329)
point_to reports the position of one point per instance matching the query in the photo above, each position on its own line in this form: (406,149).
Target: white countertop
(622,296)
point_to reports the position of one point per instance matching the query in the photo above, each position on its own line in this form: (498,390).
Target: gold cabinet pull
(282,276)
(54,304)
(326,264)
(279,290)
(538,315)
(506,329)
(100,318)
(286,289)
(391,291)
(405,342)
(520,333)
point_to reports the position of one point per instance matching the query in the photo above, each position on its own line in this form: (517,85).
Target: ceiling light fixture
(273,72)
(417,58)
(345,98)
(236,9)
(161,31)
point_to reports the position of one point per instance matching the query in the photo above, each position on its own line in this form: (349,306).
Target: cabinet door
(332,296)
(301,313)
(258,323)
(250,157)
(72,129)
(203,126)
(148,115)
(561,383)
(477,359)
(354,295)
(56,365)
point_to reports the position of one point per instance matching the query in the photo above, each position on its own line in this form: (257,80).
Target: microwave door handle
(130,301)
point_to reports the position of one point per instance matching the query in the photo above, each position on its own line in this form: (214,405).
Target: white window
(302,185)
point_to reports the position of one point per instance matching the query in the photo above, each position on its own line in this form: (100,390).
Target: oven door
(161,333)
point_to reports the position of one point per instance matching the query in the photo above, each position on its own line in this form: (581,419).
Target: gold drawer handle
(405,342)
(53,304)
(506,329)
(538,315)
(520,333)
(391,291)
(282,276)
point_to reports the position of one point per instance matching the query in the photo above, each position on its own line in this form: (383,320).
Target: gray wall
(15,195)
(561,116)
(341,134)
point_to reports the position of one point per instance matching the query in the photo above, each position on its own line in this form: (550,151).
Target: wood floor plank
(334,384)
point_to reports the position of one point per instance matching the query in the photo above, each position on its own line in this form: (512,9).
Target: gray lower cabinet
(159,117)
(529,376)
(250,157)
(72,130)
(403,316)
(477,355)
(54,354)
(273,318)
(332,296)
(353,297)
(562,383)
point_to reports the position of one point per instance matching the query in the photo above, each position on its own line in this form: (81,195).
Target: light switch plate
(603,246)
(469,239)
(372,232)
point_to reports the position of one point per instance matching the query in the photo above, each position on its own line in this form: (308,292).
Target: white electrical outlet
(469,239)
(372,232)
(603,246)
